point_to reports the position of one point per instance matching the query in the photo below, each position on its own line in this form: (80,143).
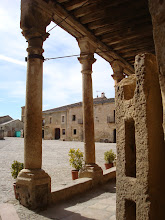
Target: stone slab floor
(98,203)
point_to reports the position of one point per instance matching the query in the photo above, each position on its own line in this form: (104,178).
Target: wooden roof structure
(121,29)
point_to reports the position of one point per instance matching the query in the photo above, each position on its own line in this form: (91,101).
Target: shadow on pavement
(72,209)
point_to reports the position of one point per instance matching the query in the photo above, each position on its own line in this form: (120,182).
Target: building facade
(66,122)
(10,126)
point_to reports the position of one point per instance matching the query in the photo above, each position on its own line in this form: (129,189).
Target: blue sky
(61,78)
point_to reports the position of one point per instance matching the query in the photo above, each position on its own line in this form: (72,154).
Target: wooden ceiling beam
(118,36)
(97,5)
(125,43)
(134,53)
(116,19)
(139,47)
(61,1)
(71,5)
(124,25)
(114,13)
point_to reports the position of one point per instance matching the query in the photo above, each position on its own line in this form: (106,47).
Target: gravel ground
(55,163)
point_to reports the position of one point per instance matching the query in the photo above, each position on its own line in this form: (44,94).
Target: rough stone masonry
(140,144)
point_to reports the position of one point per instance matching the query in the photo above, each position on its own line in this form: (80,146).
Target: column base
(92,171)
(33,188)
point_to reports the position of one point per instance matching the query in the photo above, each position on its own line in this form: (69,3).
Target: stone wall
(11,127)
(140,144)
(104,121)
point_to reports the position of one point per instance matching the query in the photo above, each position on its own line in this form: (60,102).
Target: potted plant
(109,157)
(76,161)
(16,167)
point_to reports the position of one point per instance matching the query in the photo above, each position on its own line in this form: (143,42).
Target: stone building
(118,31)
(10,126)
(66,122)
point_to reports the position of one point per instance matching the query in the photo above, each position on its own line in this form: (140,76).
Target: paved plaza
(96,204)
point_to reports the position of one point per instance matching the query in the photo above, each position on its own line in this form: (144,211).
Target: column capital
(86,58)
(33,20)
(85,45)
(117,67)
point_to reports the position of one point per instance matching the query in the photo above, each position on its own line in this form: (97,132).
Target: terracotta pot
(108,165)
(74,174)
(15,193)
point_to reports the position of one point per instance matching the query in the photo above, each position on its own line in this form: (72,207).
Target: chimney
(102,95)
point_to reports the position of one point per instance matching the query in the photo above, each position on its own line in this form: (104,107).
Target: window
(62,118)
(74,131)
(73,117)
(50,120)
(130,148)
(114,114)
(43,122)
(63,131)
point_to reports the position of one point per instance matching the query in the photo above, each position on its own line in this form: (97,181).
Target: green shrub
(109,156)
(76,158)
(16,167)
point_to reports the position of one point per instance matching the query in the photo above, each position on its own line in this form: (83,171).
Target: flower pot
(74,174)
(15,193)
(108,165)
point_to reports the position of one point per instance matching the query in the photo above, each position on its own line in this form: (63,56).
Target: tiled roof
(8,122)
(5,116)
(96,101)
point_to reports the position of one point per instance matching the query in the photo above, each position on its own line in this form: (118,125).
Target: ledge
(79,186)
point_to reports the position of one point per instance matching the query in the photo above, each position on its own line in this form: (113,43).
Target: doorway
(43,134)
(114,135)
(57,133)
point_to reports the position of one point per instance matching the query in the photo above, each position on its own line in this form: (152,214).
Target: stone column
(91,169)
(117,71)
(33,107)
(157,10)
(33,184)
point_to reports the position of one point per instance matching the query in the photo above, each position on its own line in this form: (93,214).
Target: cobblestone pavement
(55,163)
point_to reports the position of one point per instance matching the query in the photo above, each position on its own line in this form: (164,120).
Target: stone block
(33,188)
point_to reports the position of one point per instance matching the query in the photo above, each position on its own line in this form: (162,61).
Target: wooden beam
(111,14)
(61,1)
(71,5)
(125,43)
(118,36)
(117,20)
(134,53)
(97,5)
(139,48)
(121,25)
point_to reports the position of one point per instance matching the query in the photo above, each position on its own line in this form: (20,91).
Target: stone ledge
(79,186)
(109,174)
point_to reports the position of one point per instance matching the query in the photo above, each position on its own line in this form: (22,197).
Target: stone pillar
(91,169)
(157,10)
(33,184)
(117,71)
(140,172)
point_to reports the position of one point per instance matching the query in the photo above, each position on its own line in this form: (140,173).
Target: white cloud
(12,60)
(13,89)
